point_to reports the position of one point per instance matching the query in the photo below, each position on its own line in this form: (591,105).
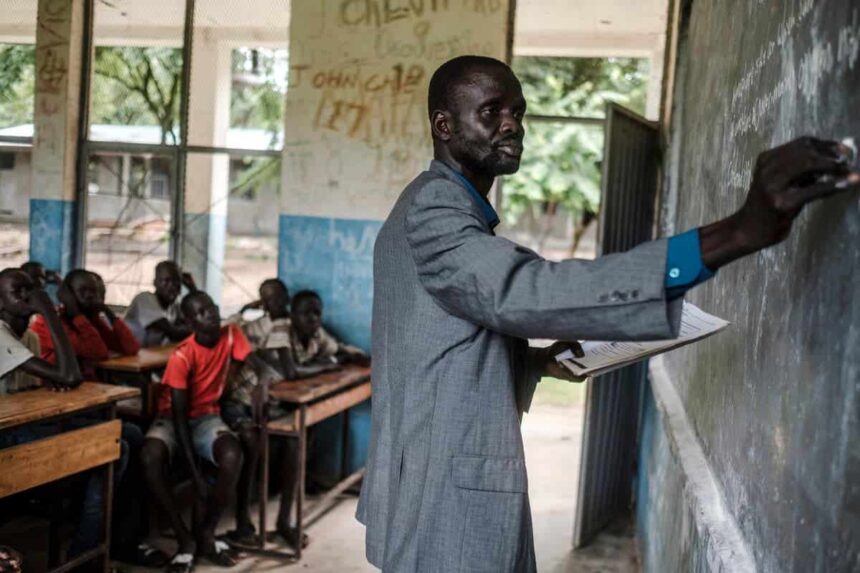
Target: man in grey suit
(454,305)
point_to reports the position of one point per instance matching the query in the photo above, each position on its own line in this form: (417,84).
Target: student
(41,277)
(310,343)
(296,350)
(155,317)
(189,422)
(21,365)
(93,329)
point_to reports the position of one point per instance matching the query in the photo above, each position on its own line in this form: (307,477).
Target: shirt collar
(490,215)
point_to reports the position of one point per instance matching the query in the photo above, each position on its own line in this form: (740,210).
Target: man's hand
(785,179)
(69,301)
(254,305)
(552,367)
(188,282)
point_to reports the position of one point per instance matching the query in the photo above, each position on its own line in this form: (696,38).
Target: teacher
(453,307)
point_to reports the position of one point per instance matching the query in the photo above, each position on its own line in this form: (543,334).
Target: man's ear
(440,123)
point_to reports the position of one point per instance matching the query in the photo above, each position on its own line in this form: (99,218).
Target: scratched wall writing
(54,108)
(775,399)
(356,116)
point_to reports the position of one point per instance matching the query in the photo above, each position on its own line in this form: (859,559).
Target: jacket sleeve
(118,338)
(508,288)
(86,340)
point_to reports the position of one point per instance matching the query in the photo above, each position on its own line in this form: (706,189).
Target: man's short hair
(186,300)
(166,264)
(274,281)
(303,295)
(451,75)
(75,273)
(31,265)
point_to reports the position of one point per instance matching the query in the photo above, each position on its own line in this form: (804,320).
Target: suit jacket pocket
(490,473)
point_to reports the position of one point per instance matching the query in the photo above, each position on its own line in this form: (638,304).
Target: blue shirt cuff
(684,266)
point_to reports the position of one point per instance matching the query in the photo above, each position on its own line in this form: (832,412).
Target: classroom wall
(356,133)
(749,458)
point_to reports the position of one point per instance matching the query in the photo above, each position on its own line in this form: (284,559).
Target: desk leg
(344,452)
(264,481)
(300,495)
(107,499)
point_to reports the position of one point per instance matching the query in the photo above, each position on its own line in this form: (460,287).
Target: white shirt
(145,310)
(13,353)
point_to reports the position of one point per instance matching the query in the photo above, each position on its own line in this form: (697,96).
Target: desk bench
(55,457)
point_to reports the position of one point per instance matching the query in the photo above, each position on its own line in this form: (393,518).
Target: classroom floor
(552,433)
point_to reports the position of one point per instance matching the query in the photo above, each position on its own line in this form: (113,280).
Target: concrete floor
(552,439)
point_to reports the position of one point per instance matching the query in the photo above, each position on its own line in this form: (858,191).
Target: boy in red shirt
(189,421)
(93,329)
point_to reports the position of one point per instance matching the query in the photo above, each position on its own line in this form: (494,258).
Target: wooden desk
(60,455)
(316,399)
(139,368)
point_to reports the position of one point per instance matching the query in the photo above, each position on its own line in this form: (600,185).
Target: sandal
(181,563)
(243,536)
(148,556)
(221,555)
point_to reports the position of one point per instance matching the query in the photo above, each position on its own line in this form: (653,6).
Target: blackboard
(775,400)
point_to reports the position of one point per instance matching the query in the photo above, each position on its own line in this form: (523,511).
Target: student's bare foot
(244,534)
(218,553)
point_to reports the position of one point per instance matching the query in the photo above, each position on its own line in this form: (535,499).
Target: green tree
(17,64)
(138,86)
(561,167)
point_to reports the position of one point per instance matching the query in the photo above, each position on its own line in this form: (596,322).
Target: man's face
(307,316)
(487,122)
(38,274)
(86,290)
(168,283)
(203,315)
(15,291)
(275,299)
(101,289)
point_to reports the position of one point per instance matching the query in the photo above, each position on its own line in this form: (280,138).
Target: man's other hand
(784,180)
(552,367)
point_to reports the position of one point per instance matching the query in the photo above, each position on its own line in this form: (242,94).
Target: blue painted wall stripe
(52,233)
(335,258)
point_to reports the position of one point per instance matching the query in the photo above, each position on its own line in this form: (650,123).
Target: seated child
(310,343)
(41,277)
(276,341)
(155,317)
(21,366)
(93,329)
(189,422)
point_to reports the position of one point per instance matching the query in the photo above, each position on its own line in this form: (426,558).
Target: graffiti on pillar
(356,119)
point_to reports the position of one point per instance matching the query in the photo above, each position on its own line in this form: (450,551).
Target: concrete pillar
(206,175)
(56,114)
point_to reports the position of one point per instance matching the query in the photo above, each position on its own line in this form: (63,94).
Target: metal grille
(629,188)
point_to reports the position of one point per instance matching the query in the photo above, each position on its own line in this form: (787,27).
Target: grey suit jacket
(446,487)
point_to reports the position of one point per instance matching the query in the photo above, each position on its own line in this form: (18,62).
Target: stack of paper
(601,357)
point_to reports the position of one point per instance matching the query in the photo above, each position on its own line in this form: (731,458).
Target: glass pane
(17,80)
(230,242)
(128,219)
(251,255)
(137,71)
(239,74)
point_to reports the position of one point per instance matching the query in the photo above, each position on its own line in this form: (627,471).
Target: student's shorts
(204,431)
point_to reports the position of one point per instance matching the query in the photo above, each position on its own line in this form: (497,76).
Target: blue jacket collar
(489,213)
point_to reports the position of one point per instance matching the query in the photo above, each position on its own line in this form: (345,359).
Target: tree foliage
(138,86)
(17,82)
(561,164)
